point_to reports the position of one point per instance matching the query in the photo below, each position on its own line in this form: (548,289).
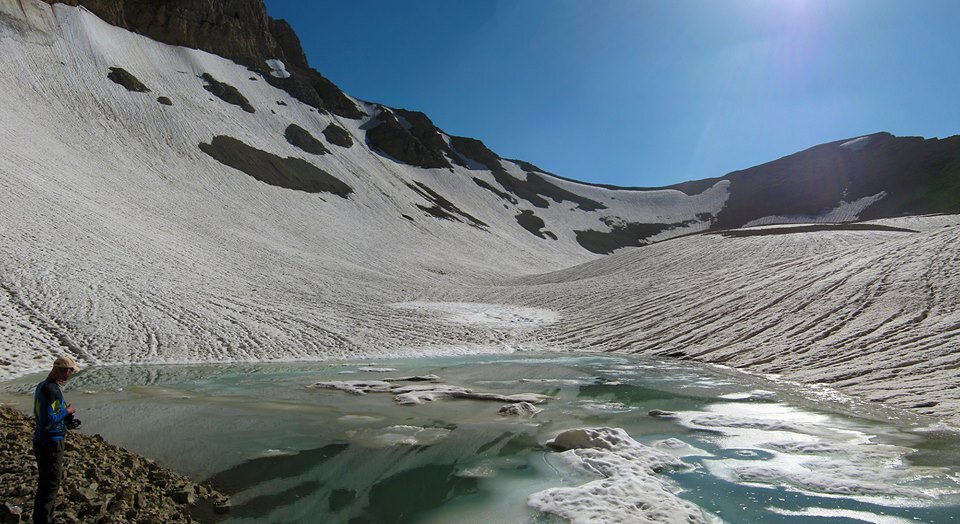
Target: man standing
(52,416)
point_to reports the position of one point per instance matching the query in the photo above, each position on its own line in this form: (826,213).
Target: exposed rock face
(290,173)
(391,137)
(337,136)
(302,138)
(621,234)
(127,80)
(227,93)
(443,208)
(236,29)
(533,189)
(102,483)
(422,128)
(165,100)
(478,151)
(532,223)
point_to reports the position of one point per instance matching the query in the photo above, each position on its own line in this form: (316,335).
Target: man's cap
(66,361)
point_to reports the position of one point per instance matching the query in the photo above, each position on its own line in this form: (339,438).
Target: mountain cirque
(195,232)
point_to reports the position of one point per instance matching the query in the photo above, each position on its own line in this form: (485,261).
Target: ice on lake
(655,441)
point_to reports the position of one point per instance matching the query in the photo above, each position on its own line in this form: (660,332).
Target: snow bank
(844,212)
(491,315)
(630,491)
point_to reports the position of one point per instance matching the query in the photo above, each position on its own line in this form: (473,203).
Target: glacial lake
(755,450)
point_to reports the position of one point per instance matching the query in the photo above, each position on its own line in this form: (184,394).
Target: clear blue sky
(643,92)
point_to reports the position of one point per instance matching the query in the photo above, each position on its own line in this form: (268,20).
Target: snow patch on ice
(630,489)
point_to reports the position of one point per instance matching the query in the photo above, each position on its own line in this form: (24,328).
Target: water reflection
(760,451)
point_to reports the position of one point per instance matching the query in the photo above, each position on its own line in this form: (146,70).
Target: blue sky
(642,92)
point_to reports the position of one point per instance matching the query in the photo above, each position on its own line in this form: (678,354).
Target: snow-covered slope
(128,237)
(143,247)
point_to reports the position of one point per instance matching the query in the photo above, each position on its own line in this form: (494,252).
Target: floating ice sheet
(630,489)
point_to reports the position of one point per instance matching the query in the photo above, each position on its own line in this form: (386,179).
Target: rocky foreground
(103,483)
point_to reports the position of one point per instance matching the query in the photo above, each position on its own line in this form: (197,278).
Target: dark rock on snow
(227,93)
(337,136)
(621,234)
(300,137)
(290,173)
(532,189)
(443,208)
(121,76)
(392,138)
(532,223)
(165,101)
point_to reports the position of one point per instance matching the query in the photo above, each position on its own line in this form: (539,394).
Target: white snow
(856,144)
(844,212)
(122,242)
(629,488)
(277,68)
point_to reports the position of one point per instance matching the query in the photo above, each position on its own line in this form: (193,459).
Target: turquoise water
(757,451)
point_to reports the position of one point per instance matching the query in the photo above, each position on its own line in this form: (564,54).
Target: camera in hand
(72,422)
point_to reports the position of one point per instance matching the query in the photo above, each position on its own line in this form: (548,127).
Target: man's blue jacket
(49,412)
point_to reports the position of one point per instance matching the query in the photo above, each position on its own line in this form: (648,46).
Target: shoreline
(102,482)
(949,420)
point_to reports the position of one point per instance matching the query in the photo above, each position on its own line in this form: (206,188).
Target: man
(52,416)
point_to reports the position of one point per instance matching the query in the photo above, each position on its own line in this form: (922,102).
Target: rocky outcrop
(121,76)
(102,482)
(337,135)
(236,29)
(534,224)
(477,151)
(443,208)
(289,173)
(422,128)
(300,137)
(391,137)
(621,234)
(533,189)
(227,93)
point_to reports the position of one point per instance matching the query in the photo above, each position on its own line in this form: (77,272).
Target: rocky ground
(103,483)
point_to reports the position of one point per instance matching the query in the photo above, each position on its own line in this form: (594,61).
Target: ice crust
(808,453)
(424,391)
(629,490)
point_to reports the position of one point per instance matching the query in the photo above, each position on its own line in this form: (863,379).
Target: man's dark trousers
(49,455)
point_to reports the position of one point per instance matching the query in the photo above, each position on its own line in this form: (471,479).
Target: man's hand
(71,410)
